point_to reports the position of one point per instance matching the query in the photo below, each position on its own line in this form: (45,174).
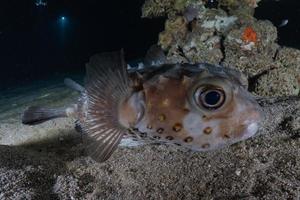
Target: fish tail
(36,115)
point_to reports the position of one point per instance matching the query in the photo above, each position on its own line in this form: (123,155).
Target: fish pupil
(212,98)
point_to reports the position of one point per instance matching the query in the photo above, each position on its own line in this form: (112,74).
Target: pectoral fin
(107,86)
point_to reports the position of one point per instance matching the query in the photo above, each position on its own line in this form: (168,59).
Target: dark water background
(36,44)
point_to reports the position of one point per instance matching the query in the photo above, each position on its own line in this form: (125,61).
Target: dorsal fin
(107,85)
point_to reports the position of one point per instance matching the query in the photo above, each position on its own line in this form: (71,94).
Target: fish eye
(210,97)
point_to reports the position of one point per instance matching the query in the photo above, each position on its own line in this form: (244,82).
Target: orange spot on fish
(162,117)
(166,102)
(207,130)
(177,127)
(160,130)
(169,137)
(188,139)
(249,35)
(205,146)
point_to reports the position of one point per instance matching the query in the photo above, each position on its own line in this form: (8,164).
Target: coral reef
(158,8)
(229,35)
(251,48)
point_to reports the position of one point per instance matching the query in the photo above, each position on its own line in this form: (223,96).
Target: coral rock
(278,82)
(251,52)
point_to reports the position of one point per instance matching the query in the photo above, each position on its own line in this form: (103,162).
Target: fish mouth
(251,130)
(254,121)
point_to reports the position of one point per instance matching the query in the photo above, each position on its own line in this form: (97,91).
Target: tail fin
(36,115)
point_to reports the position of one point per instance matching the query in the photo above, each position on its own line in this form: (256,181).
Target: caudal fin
(36,115)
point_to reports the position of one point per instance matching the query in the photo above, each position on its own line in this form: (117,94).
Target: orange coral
(249,35)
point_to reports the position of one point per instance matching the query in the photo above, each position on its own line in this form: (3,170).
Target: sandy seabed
(48,162)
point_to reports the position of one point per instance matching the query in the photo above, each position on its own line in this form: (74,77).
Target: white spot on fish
(193,124)
(251,130)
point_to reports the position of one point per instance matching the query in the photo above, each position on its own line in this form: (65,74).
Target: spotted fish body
(198,106)
(167,110)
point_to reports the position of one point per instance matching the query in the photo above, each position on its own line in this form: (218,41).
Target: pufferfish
(200,106)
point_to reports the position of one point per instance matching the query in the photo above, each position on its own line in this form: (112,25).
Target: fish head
(222,111)
(207,108)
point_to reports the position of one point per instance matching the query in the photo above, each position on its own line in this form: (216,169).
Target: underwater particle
(281,81)
(207,130)
(188,139)
(177,127)
(41,3)
(249,35)
(149,126)
(283,23)
(211,3)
